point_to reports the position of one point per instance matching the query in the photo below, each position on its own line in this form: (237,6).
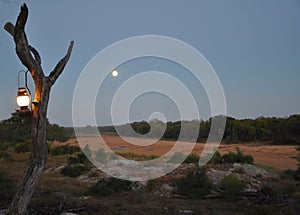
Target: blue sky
(253,46)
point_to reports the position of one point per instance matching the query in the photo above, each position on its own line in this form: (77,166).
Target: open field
(54,188)
(277,156)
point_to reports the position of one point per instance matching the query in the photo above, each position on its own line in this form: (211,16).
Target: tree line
(276,130)
(17,129)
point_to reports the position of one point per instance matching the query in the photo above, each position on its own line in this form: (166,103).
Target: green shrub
(109,186)
(231,157)
(7,190)
(64,149)
(238,157)
(216,158)
(248,159)
(232,186)
(78,159)
(195,184)
(74,171)
(22,147)
(192,158)
(134,156)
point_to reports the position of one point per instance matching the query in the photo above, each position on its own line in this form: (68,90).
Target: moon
(115,73)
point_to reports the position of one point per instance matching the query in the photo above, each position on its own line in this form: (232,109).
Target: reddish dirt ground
(279,157)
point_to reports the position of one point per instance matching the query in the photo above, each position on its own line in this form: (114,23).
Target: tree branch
(60,65)
(23,49)
(36,54)
(10,28)
(21,41)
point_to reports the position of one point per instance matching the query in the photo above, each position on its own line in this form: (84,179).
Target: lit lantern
(23,97)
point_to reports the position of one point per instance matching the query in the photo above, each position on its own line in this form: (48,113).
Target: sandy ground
(280,157)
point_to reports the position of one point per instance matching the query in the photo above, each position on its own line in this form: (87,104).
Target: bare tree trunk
(30,58)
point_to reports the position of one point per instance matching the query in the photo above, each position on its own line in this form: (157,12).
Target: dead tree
(31,59)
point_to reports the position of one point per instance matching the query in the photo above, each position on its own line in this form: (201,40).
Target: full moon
(115,73)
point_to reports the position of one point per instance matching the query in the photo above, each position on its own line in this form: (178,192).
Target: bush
(230,158)
(192,158)
(134,156)
(22,147)
(74,171)
(7,190)
(232,186)
(78,159)
(248,159)
(216,158)
(238,157)
(63,150)
(195,184)
(109,186)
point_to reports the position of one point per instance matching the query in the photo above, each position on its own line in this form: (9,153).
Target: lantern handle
(26,86)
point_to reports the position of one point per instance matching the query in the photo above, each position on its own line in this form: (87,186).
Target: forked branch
(60,65)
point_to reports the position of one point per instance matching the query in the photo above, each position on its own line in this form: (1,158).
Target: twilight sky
(253,46)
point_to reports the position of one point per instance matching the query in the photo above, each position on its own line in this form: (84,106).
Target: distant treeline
(17,129)
(269,129)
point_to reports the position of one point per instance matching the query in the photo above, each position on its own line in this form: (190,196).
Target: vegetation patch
(137,157)
(64,150)
(77,165)
(192,158)
(195,185)
(109,186)
(238,157)
(74,171)
(232,186)
(216,158)
(7,190)
(23,147)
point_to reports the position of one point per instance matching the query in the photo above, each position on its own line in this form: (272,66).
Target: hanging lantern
(23,97)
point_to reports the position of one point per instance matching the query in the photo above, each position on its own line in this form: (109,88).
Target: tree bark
(31,59)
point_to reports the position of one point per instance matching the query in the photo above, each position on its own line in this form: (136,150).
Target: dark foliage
(64,149)
(216,158)
(192,158)
(109,186)
(195,184)
(7,190)
(232,186)
(74,171)
(238,157)
(23,147)
(78,159)
(16,129)
(276,130)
